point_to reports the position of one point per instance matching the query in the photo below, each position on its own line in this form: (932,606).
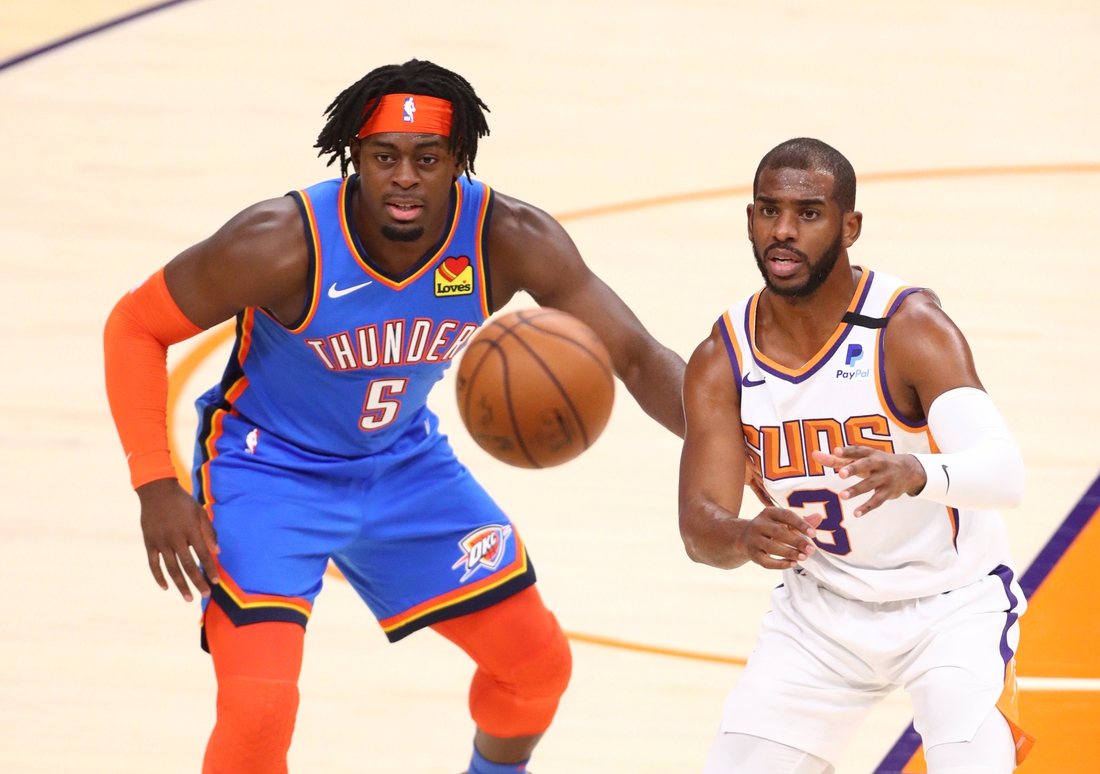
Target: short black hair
(813,155)
(350,110)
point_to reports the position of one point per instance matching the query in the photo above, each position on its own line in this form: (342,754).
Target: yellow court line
(694,655)
(871,177)
(186,367)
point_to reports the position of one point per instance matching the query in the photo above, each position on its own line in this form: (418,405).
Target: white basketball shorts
(822,661)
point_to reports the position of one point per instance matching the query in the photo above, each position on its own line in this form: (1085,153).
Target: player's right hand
(174,525)
(778,538)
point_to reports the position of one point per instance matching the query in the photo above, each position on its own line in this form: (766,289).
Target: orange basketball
(535,388)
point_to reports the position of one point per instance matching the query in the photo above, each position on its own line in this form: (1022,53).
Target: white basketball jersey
(905,548)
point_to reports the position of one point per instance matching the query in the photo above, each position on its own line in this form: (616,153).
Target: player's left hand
(888,475)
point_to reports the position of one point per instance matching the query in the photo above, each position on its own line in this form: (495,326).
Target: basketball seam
(577,344)
(511,411)
(554,379)
(477,368)
(491,344)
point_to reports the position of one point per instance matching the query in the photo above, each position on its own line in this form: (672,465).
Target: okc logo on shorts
(410,108)
(484,547)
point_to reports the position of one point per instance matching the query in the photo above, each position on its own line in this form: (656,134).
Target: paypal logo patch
(852,372)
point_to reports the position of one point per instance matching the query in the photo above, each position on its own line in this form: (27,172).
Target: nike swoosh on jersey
(948,475)
(334,293)
(747,382)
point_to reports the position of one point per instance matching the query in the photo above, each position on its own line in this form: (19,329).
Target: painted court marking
(219,335)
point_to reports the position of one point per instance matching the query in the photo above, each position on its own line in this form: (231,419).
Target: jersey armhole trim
(884,397)
(484,219)
(313,279)
(725,325)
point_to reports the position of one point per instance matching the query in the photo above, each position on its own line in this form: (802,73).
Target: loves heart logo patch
(454,277)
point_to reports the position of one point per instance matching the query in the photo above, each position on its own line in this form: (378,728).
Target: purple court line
(19,58)
(1040,568)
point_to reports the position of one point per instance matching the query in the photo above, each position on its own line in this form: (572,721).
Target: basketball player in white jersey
(857,398)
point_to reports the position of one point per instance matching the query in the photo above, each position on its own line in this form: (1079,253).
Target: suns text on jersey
(396,342)
(787,451)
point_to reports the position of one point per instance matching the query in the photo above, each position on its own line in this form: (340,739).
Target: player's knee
(254,727)
(520,697)
(545,673)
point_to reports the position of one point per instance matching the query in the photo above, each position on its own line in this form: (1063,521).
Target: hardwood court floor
(120,150)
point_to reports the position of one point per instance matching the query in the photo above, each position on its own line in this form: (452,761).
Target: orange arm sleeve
(135,352)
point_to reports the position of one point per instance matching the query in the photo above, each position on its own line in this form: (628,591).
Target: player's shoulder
(711,366)
(264,220)
(264,233)
(517,220)
(920,333)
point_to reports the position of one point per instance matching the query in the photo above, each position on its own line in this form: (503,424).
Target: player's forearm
(135,345)
(712,535)
(656,380)
(979,466)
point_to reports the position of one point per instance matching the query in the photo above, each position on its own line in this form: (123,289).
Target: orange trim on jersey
(881,388)
(821,353)
(731,332)
(248,320)
(237,389)
(246,601)
(429,264)
(515,569)
(315,299)
(210,445)
(482,267)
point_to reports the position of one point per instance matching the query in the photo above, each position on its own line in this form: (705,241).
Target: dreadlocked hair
(349,111)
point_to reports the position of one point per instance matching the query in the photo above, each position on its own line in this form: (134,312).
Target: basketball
(535,388)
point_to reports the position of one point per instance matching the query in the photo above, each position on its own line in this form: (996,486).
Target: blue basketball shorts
(409,528)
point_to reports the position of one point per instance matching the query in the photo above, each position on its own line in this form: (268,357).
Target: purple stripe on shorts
(907,744)
(1005,574)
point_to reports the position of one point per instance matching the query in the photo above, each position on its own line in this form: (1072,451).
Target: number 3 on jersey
(834,516)
(380,408)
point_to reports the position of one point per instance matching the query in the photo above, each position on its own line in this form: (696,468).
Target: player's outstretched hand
(888,475)
(778,538)
(173,525)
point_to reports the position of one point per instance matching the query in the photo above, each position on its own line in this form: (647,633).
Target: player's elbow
(694,542)
(702,545)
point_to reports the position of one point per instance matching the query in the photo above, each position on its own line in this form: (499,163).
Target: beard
(819,269)
(398,234)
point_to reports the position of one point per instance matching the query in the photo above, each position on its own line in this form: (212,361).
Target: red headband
(411,113)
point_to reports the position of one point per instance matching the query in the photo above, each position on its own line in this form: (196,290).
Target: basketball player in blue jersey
(351,298)
(857,399)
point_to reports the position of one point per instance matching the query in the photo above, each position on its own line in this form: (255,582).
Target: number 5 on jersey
(380,408)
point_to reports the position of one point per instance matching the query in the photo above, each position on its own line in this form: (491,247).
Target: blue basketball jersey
(354,372)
